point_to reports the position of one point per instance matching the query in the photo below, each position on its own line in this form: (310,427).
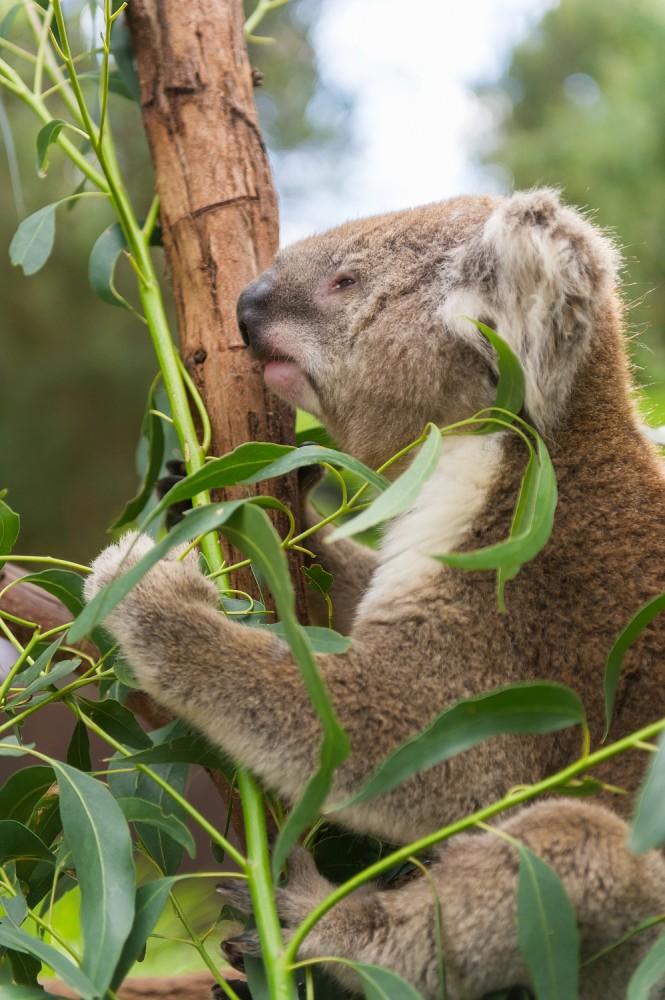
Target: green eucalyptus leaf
(318,578)
(382,984)
(59,670)
(511,386)
(150,902)
(322,640)
(401,494)
(16,939)
(546,929)
(11,747)
(616,655)
(256,461)
(42,663)
(152,431)
(191,749)
(17,841)
(25,969)
(23,790)
(63,584)
(32,242)
(123,54)
(650,973)
(117,721)
(101,264)
(250,531)
(533,707)
(136,810)
(163,848)
(98,838)
(649,821)
(536,503)
(15,907)
(47,135)
(78,751)
(9,527)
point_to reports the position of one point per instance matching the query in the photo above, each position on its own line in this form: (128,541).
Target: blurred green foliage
(582,106)
(75,372)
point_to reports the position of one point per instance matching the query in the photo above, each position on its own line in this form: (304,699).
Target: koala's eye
(344,281)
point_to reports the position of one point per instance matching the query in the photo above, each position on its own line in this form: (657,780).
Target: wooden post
(218,211)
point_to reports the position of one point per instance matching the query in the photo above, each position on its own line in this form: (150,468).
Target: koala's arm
(475,880)
(243,688)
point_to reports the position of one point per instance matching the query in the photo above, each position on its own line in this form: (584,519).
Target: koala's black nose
(252,309)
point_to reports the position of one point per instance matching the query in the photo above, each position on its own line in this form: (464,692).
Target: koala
(365,327)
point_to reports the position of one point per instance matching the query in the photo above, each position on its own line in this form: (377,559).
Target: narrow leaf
(16,841)
(41,664)
(10,746)
(546,929)
(23,790)
(318,578)
(78,751)
(62,669)
(150,902)
(650,973)
(401,494)
(191,749)
(250,531)
(98,838)
(323,640)
(152,432)
(101,264)
(48,134)
(256,461)
(32,242)
(534,707)
(123,54)
(18,940)
(649,821)
(510,388)
(616,655)
(382,984)
(533,535)
(117,721)
(9,528)
(137,810)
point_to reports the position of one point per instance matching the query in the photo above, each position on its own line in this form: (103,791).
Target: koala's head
(364,326)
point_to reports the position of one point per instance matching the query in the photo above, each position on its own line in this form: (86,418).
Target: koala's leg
(475,881)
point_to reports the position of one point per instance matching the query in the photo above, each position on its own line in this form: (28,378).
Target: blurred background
(367,106)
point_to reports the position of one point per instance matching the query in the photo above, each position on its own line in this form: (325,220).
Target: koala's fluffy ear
(536,273)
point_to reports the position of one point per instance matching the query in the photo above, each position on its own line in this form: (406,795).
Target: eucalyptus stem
(474,819)
(260,887)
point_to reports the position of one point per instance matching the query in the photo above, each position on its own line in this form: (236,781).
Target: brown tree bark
(218,210)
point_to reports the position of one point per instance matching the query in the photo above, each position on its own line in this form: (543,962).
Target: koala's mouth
(286,378)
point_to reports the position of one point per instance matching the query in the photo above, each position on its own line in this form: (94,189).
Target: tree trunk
(218,211)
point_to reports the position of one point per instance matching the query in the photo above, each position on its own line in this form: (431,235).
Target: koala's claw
(235,948)
(235,893)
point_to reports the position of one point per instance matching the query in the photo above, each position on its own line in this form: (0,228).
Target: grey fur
(367,320)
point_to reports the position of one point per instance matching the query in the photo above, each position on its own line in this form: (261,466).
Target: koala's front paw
(116,560)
